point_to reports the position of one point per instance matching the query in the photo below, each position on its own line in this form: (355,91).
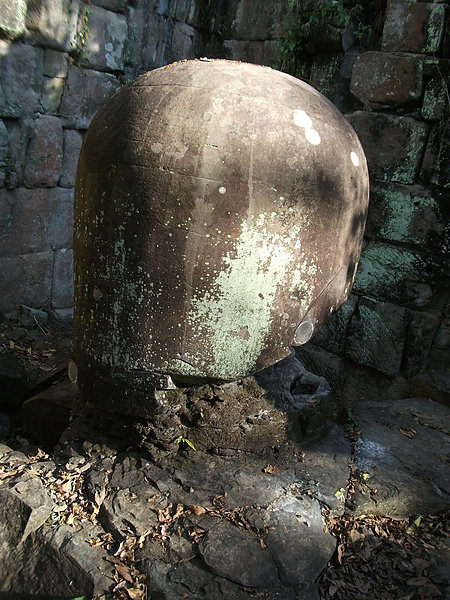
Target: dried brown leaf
(273,469)
(409,433)
(100,496)
(124,572)
(417,581)
(196,509)
(46,368)
(420,564)
(178,512)
(8,474)
(136,593)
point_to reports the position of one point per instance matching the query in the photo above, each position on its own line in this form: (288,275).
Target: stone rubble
(99,513)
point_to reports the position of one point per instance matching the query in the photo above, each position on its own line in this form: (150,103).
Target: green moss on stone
(405,172)
(399,211)
(435,100)
(237,314)
(435,27)
(383,270)
(324,73)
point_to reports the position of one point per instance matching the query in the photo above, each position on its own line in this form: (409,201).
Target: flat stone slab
(203,525)
(402,457)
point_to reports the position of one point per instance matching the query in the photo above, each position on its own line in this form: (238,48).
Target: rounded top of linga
(219,215)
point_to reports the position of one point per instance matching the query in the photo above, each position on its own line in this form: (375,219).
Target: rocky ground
(359,512)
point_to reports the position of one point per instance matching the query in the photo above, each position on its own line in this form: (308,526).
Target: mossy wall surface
(395,92)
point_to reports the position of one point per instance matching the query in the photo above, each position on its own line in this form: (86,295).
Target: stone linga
(219,216)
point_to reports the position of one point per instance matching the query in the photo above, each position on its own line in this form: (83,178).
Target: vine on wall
(83,32)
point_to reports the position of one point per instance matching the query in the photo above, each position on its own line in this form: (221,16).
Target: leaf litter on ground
(384,558)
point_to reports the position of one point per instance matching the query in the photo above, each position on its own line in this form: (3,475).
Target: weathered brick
(181,11)
(85,92)
(55,73)
(54,23)
(393,145)
(436,162)
(55,63)
(364,383)
(62,288)
(114,5)
(25,279)
(5,218)
(409,215)
(52,91)
(44,153)
(377,336)
(163,7)
(347,64)
(195,17)
(412,26)
(72,146)
(4,146)
(383,78)
(35,220)
(419,340)
(21,73)
(154,43)
(107,32)
(322,363)
(255,20)
(136,29)
(439,355)
(433,384)
(19,134)
(399,275)
(435,100)
(270,53)
(182,44)
(12,18)
(440,351)
(333,334)
(442,339)
(325,77)
(249,51)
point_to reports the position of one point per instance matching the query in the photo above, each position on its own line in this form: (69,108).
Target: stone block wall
(61,59)
(396,324)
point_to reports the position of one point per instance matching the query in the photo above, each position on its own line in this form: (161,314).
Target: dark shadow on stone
(283,404)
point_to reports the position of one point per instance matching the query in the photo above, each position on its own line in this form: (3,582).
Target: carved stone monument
(219,215)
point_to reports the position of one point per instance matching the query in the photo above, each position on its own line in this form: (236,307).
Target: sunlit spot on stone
(354,158)
(301,119)
(312,136)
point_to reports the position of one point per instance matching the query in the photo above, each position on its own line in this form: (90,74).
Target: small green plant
(306,21)
(351,422)
(182,440)
(83,34)
(4,327)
